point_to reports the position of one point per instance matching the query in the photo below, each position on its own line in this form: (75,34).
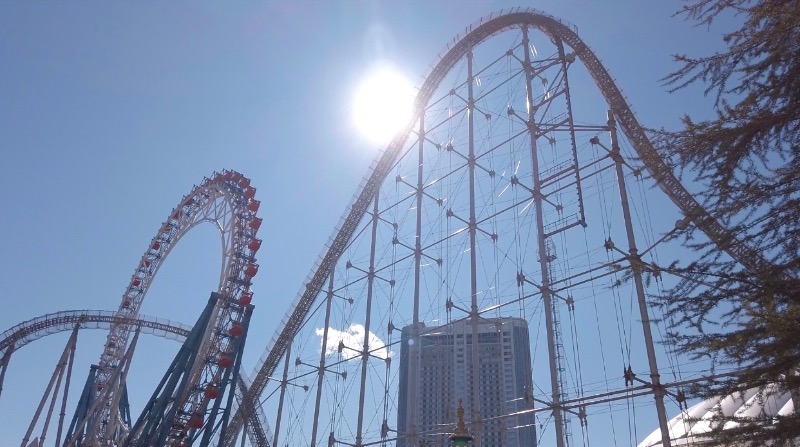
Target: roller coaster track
(36,328)
(557,31)
(29,331)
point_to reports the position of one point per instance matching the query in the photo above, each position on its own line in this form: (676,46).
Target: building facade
(442,358)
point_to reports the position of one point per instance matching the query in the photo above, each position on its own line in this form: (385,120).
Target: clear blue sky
(111,111)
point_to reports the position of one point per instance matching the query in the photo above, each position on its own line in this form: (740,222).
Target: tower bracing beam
(84,403)
(82,411)
(89,422)
(162,422)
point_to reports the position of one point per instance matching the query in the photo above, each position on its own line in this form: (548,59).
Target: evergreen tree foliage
(747,163)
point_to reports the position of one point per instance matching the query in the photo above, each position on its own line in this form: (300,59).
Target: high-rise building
(442,357)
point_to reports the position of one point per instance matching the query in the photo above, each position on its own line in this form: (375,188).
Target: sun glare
(382,105)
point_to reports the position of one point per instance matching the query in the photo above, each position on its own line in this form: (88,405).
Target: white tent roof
(690,425)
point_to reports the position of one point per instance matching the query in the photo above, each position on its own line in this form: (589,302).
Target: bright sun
(382,105)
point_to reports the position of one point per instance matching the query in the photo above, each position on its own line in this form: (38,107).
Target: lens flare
(382,105)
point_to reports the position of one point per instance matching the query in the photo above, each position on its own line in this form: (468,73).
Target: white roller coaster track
(474,35)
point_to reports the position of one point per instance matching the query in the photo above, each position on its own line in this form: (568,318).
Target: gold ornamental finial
(460,435)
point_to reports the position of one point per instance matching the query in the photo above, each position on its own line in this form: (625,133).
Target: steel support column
(322,356)
(475,402)
(538,199)
(367,318)
(63,411)
(54,378)
(412,430)
(636,268)
(284,384)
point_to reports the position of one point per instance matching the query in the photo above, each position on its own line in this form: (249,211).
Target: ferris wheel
(188,403)
(227,201)
(177,416)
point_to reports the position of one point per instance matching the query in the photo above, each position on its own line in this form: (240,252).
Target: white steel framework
(506,195)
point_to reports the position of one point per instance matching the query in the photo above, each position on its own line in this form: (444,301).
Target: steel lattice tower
(507,195)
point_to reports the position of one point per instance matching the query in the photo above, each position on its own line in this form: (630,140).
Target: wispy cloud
(353,339)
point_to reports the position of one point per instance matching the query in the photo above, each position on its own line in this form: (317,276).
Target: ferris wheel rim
(239,246)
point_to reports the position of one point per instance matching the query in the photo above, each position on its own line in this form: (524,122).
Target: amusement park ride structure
(471,213)
(205,369)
